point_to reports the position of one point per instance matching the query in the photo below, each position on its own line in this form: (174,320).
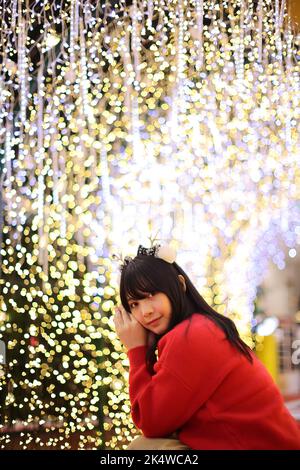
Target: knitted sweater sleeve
(187,373)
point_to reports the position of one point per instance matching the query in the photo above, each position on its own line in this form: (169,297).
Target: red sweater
(208,392)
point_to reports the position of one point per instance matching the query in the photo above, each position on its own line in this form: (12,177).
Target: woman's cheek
(137,317)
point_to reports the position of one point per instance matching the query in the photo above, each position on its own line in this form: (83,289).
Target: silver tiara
(165,252)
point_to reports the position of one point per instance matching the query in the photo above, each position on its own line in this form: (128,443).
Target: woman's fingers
(121,314)
(117,317)
(131,333)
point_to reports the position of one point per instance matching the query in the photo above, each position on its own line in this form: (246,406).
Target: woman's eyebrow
(139,298)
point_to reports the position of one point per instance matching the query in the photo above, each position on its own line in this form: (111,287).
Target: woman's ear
(182,281)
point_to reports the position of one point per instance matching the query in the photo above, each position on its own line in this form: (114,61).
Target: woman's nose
(146,309)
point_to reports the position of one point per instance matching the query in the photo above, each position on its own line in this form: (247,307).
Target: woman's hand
(129,330)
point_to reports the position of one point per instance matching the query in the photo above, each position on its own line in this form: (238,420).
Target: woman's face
(153,312)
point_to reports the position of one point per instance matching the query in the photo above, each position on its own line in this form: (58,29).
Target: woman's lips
(154,321)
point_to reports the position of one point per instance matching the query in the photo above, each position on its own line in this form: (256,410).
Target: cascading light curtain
(119,120)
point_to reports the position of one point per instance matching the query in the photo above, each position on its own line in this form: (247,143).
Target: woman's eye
(133,305)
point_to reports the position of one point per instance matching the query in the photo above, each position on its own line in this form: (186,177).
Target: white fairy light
(40,166)
(84,82)
(135,42)
(72,33)
(22,69)
(51,40)
(14,15)
(105,178)
(8,171)
(150,12)
(289,39)
(277,32)
(199,23)
(260,29)
(137,146)
(180,52)
(131,100)
(241,48)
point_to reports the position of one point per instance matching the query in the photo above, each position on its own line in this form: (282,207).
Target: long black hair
(149,274)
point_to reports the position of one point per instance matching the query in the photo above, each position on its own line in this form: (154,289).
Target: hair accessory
(165,252)
(122,262)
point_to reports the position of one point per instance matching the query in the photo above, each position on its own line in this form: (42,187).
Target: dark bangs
(135,284)
(145,274)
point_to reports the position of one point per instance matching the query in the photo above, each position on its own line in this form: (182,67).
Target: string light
(199,32)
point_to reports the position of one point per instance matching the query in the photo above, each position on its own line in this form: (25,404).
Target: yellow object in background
(294,11)
(267,351)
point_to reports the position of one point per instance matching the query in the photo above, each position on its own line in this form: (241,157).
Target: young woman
(206,389)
